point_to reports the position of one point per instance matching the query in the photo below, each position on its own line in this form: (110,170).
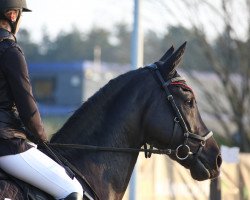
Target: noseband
(179,119)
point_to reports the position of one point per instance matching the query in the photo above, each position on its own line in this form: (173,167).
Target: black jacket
(15,91)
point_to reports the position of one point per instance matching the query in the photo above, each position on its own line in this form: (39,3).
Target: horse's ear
(173,61)
(167,54)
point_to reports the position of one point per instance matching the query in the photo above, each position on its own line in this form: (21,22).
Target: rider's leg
(36,168)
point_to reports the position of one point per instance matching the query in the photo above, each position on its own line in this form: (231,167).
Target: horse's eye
(190,102)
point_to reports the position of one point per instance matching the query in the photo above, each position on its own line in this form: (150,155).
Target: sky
(156,15)
(57,15)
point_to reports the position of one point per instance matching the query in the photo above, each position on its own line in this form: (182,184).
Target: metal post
(215,189)
(137,38)
(136,61)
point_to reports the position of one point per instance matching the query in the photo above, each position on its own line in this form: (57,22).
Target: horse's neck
(115,124)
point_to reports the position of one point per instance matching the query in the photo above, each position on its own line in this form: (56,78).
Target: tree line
(115,46)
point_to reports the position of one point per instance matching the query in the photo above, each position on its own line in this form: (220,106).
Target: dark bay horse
(152,105)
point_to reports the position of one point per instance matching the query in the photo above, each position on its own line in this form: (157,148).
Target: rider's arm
(15,68)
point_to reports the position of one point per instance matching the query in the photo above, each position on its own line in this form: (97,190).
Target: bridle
(179,118)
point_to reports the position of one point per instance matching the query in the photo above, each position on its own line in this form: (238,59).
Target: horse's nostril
(219,161)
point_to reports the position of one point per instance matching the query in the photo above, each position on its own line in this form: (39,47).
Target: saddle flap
(3,175)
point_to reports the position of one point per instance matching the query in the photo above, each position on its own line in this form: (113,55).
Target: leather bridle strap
(187,133)
(170,97)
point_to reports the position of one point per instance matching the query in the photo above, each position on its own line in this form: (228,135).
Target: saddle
(31,192)
(14,189)
(3,175)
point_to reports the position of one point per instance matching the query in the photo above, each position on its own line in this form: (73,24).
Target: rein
(147,151)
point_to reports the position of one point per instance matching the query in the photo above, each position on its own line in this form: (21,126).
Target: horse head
(173,120)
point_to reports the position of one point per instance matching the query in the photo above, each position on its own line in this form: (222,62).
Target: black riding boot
(74,196)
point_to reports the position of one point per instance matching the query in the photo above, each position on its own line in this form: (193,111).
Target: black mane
(93,113)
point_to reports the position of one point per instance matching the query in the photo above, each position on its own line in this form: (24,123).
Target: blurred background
(75,47)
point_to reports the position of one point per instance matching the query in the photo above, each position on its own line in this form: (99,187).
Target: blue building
(57,86)
(62,87)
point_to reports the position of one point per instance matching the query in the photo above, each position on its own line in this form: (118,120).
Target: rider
(17,109)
